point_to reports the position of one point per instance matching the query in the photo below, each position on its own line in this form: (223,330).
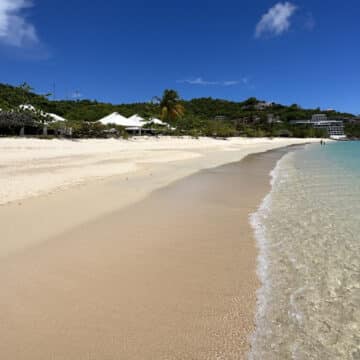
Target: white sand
(30,167)
(85,276)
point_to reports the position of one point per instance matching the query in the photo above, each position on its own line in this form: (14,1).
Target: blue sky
(302,51)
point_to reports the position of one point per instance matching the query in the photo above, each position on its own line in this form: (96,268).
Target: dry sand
(30,167)
(107,271)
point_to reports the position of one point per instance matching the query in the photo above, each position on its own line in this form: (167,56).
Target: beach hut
(117,119)
(133,124)
(137,121)
(47,119)
(137,124)
(29,107)
(114,118)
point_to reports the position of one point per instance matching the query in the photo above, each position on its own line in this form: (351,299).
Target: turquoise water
(308,231)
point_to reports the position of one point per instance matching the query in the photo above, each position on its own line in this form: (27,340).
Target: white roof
(117,119)
(56,117)
(137,120)
(27,107)
(30,107)
(114,118)
(158,122)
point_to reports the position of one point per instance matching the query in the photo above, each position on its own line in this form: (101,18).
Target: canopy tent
(134,124)
(114,118)
(117,119)
(137,121)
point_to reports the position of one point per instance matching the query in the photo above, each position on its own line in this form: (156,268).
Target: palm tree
(26,90)
(170,106)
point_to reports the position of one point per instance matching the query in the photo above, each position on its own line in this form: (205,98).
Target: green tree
(26,87)
(170,106)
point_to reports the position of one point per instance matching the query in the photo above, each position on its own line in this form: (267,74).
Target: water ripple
(308,233)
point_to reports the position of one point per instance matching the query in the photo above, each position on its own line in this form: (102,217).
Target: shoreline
(256,221)
(88,269)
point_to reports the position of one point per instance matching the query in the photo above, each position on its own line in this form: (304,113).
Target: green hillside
(203,116)
(204,108)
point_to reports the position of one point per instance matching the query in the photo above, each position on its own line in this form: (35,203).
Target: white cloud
(201,81)
(15,30)
(230,82)
(198,81)
(277,20)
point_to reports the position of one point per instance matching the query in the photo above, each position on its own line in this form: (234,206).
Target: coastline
(86,281)
(262,266)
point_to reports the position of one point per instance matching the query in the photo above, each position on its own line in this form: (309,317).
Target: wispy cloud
(276,21)
(230,82)
(15,30)
(198,81)
(202,82)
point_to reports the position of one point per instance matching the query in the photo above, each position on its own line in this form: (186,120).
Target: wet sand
(170,277)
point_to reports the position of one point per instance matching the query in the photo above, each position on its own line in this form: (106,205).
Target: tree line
(196,117)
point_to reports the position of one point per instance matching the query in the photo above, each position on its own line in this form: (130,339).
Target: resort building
(319,117)
(334,128)
(133,125)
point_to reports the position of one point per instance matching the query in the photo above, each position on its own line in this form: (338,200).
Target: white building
(29,107)
(119,120)
(319,117)
(334,128)
(133,124)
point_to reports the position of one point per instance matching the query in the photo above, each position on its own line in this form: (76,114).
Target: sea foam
(257,222)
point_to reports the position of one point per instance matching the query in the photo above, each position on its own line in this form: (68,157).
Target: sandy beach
(31,167)
(149,256)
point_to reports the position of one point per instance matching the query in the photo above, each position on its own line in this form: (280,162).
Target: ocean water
(308,232)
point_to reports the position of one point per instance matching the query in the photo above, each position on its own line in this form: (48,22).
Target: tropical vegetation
(170,106)
(196,117)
